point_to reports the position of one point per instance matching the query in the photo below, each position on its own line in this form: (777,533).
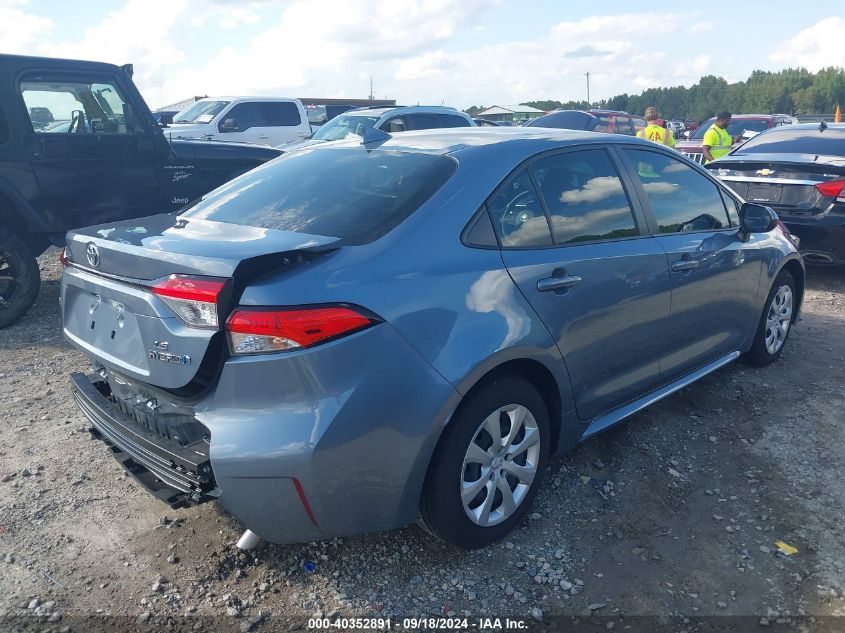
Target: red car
(740,124)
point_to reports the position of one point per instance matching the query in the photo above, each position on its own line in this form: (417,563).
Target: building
(509,113)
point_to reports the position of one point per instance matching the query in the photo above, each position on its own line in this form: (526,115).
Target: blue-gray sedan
(362,334)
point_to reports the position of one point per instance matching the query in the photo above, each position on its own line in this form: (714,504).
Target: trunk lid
(786,182)
(111,313)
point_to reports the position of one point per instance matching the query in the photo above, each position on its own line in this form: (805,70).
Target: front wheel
(488,464)
(775,322)
(19,277)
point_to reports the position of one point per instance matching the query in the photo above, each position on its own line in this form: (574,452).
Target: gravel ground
(674,514)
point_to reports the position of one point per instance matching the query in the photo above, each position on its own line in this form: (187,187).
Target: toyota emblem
(93,255)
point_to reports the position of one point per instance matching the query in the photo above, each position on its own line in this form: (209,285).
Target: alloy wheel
(500,464)
(778,319)
(9,278)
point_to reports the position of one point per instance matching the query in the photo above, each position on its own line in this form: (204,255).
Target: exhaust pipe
(249,540)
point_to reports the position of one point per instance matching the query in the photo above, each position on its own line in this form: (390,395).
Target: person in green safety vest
(655,130)
(717,140)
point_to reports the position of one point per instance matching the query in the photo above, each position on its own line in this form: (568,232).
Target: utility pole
(372,98)
(587,75)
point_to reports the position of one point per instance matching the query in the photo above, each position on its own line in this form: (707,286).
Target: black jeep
(78,146)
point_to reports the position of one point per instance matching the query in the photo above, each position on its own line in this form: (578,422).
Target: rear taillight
(63,257)
(264,330)
(193,300)
(831,188)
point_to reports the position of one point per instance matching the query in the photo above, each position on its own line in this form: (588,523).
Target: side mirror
(229,125)
(757,218)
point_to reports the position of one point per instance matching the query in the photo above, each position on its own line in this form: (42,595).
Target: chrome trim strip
(766,181)
(617,415)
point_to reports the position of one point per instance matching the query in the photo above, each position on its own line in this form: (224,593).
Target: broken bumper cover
(176,474)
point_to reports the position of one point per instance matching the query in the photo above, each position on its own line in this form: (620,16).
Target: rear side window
(280,113)
(349,193)
(517,213)
(584,196)
(423,121)
(682,199)
(623,126)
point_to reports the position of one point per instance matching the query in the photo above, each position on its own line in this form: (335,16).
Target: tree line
(791,91)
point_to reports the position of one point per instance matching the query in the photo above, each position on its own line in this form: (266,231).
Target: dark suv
(78,146)
(610,121)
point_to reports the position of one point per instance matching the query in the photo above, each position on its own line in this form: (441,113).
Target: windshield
(350,193)
(200,112)
(345,125)
(735,127)
(788,140)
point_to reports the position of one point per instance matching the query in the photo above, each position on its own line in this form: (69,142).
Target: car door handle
(681,265)
(557,283)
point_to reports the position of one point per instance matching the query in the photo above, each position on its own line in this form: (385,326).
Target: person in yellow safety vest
(717,140)
(654,131)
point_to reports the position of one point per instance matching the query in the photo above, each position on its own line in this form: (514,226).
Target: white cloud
(142,33)
(700,26)
(20,30)
(815,47)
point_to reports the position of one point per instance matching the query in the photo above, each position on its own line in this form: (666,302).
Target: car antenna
(372,135)
(822,126)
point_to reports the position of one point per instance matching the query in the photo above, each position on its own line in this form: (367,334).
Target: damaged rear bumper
(180,475)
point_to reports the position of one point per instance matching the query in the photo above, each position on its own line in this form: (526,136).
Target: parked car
(263,120)
(741,124)
(798,170)
(164,117)
(485,122)
(102,158)
(321,114)
(390,119)
(353,336)
(610,121)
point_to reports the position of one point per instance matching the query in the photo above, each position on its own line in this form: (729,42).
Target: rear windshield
(788,140)
(350,193)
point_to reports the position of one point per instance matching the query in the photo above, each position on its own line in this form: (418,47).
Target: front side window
(349,193)
(517,213)
(452,120)
(200,112)
(584,196)
(682,199)
(242,117)
(345,125)
(65,107)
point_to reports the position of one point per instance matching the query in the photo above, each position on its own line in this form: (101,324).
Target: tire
(454,465)
(775,322)
(20,278)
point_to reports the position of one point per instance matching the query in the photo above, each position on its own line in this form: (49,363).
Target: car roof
(520,140)
(230,98)
(383,110)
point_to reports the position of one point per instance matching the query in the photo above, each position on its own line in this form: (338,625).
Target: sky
(452,52)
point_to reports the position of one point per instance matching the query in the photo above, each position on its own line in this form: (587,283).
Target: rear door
(715,275)
(598,281)
(93,158)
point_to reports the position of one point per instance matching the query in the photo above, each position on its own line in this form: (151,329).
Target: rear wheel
(19,277)
(775,322)
(488,465)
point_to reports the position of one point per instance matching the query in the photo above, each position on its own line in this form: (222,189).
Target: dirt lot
(673,514)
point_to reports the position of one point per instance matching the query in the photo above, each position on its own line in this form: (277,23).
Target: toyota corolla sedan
(368,333)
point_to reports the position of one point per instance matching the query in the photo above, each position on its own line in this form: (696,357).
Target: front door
(597,280)
(714,274)
(94,160)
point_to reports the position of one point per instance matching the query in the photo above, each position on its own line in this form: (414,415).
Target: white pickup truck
(261,120)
